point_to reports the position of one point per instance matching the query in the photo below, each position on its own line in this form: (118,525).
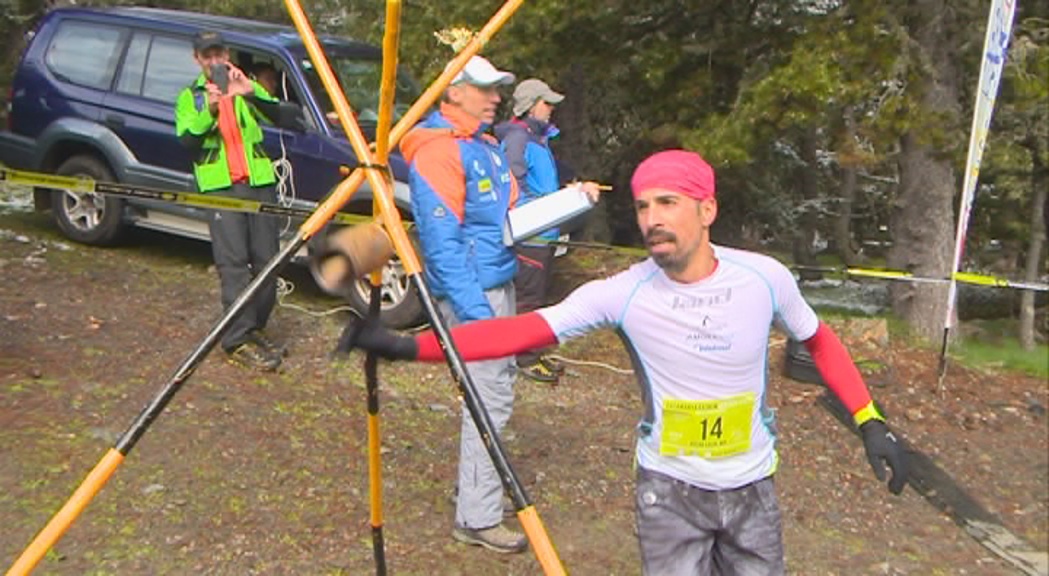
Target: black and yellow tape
(210,201)
(216,202)
(960,277)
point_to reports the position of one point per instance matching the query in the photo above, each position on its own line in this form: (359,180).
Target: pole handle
(65,516)
(541,544)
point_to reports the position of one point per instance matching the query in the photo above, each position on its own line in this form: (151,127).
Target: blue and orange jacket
(461,191)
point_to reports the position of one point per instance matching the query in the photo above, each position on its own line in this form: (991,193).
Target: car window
(134,69)
(360,81)
(85,53)
(170,67)
(270,71)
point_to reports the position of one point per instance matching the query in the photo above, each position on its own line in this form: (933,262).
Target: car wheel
(87,217)
(400,306)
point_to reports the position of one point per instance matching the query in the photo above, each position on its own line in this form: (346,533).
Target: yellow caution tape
(980,279)
(212,201)
(963,277)
(216,202)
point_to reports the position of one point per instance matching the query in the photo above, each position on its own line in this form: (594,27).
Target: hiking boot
(555,366)
(278,349)
(498,538)
(539,372)
(253,355)
(509,510)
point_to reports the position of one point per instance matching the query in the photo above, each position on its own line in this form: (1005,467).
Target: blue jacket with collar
(461,189)
(526,142)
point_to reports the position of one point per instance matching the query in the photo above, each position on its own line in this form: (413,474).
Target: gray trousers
(242,244)
(688,531)
(480,501)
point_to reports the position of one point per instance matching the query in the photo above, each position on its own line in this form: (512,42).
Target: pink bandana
(675,170)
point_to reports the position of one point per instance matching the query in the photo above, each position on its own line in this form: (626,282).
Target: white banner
(999,30)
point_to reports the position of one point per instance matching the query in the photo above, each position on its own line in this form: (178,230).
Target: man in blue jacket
(461,191)
(526,141)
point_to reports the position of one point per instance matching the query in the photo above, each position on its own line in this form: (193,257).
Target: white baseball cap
(480,72)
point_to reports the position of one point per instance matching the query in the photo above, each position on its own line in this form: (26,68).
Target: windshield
(359,79)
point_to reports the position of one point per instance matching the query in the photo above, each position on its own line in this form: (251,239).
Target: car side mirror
(292,117)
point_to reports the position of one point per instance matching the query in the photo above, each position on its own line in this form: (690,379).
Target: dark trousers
(534,268)
(685,530)
(242,244)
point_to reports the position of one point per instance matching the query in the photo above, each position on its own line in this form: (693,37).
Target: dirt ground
(247,473)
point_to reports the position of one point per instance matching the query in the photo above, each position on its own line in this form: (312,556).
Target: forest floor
(249,473)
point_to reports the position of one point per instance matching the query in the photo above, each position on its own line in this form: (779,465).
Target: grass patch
(1003,354)
(987,345)
(994,344)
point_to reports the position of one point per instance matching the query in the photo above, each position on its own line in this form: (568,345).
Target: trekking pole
(533,526)
(387,93)
(100,474)
(371,374)
(390,218)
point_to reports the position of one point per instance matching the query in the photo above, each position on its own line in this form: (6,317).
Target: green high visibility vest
(193,116)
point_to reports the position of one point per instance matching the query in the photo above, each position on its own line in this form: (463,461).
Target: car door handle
(115,120)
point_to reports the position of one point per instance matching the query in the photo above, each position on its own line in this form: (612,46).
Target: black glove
(881,444)
(369,335)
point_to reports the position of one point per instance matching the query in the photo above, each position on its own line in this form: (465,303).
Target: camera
(220,77)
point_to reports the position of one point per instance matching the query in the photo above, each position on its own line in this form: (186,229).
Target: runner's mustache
(659,236)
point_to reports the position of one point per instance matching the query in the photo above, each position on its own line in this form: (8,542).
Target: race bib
(707,428)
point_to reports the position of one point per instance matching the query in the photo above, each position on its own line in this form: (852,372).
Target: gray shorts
(684,530)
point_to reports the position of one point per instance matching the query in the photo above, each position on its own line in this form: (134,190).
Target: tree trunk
(805,232)
(843,223)
(922,222)
(922,237)
(1033,266)
(847,195)
(575,148)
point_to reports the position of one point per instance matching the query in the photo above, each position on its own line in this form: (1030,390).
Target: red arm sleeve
(492,338)
(836,367)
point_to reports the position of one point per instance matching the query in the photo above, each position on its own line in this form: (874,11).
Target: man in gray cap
(526,141)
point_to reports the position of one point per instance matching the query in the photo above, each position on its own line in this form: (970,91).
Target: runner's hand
(371,336)
(883,448)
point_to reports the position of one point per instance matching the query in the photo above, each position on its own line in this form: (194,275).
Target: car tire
(400,307)
(87,217)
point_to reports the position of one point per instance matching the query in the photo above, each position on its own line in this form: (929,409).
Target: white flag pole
(999,30)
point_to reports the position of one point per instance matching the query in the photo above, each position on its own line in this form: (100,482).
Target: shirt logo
(439,212)
(712,300)
(713,334)
(484,186)
(478,169)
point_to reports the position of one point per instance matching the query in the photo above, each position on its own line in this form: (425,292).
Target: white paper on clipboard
(544,213)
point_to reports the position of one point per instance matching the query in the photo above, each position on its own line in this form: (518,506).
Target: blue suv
(94,96)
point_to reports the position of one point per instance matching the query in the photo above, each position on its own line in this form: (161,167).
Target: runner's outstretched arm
(843,379)
(479,340)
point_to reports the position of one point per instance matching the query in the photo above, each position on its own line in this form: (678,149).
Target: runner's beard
(675,261)
(672,261)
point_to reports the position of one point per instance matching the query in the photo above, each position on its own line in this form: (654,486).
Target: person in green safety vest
(217,119)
